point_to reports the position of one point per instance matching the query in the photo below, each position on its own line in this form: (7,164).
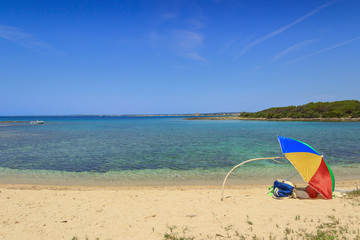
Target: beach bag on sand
(283,188)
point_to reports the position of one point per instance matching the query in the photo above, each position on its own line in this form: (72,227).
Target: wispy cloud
(183,43)
(235,41)
(282,29)
(324,50)
(18,36)
(285,52)
(196,23)
(228,45)
(291,49)
(194,56)
(168,16)
(188,44)
(188,40)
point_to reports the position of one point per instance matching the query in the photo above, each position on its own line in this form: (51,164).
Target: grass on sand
(333,228)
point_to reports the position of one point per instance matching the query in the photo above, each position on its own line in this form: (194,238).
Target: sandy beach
(170,212)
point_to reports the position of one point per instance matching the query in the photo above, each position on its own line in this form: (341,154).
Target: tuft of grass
(328,231)
(355,197)
(331,229)
(271,237)
(321,235)
(175,235)
(355,193)
(238,236)
(335,221)
(287,231)
(248,221)
(228,227)
(254,237)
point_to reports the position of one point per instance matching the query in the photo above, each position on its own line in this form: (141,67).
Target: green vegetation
(354,194)
(354,197)
(329,230)
(248,221)
(339,109)
(174,235)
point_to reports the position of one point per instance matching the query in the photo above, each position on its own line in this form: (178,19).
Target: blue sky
(141,57)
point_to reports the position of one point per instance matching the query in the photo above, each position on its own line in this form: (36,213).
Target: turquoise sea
(104,150)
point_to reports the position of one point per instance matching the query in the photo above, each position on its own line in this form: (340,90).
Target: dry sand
(56,212)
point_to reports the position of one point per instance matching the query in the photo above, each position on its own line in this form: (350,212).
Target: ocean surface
(104,150)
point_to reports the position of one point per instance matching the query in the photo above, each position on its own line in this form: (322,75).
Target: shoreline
(161,184)
(279,119)
(247,175)
(347,183)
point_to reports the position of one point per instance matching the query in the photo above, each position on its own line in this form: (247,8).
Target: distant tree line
(338,109)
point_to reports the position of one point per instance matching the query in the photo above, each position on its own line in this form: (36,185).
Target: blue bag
(283,188)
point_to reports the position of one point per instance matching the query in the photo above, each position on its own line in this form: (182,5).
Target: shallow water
(119,150)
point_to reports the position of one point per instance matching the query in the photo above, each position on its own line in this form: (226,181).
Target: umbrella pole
(250,160)
(292,176)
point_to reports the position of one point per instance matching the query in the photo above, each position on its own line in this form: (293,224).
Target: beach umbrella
(310,164)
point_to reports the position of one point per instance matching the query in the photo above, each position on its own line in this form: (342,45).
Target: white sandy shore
(62,212)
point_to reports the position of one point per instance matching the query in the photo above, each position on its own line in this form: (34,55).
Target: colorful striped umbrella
(310,164)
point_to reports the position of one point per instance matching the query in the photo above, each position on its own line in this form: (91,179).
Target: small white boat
(37,122)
